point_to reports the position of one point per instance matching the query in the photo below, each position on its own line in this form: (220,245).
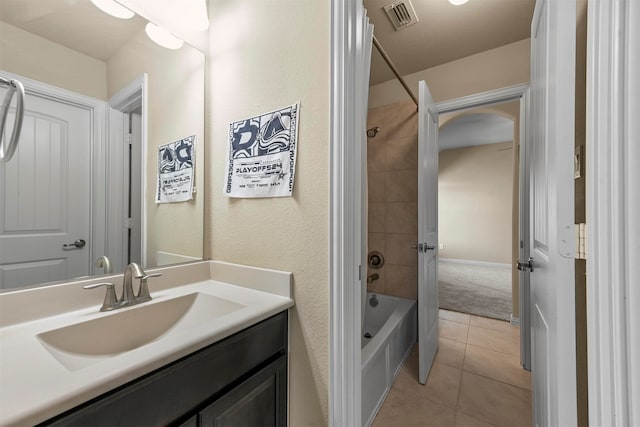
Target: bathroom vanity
(240,381)
(209,349)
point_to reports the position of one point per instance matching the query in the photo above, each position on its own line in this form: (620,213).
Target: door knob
(80,243)
(423,247)
(525,266)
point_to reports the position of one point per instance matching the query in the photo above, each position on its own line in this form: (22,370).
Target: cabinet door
(260,401)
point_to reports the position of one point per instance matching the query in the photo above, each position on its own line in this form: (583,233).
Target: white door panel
(428,303)
(552,204)
(44,196)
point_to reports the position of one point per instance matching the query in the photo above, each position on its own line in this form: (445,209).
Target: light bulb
(458,2)
(163,37)
(114,9)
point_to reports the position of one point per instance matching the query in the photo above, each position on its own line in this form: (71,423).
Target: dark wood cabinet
(239,381)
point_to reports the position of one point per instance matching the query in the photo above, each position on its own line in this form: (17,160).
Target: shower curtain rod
(394,69)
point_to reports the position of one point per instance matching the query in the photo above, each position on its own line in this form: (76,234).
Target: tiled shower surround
(393,197)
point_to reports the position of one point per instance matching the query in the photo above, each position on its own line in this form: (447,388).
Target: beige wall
(496,68)
(175,110)
(392,160)
(266,55)
(475,202)
(39,59)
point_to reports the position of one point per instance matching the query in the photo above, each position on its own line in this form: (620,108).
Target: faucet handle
(110,300)
(143,292)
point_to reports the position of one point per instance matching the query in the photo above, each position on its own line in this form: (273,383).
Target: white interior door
(552,242)
(45,200)
(428,304)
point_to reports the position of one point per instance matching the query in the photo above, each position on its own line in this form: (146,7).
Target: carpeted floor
(483,291)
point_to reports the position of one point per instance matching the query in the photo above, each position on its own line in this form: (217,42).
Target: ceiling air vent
(401,13)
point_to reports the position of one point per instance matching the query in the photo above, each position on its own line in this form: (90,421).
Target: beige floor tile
(443,383)
(497,366)
(503,341)
(454,316)
(403,411)
(450,353)
(498,325)
(494,402)
(453,330)
(464,420)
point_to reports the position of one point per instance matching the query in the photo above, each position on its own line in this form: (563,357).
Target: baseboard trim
(471,262)
(515,321)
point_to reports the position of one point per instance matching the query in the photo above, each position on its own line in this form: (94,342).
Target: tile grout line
(495,380)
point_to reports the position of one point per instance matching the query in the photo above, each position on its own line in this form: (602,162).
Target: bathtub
(388,335)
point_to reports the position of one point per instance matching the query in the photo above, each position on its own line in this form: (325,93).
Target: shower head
(371,133)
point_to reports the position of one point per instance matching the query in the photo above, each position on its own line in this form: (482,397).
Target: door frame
(613,209)
(126,100)
(488,98)
(345,364)
(98,150)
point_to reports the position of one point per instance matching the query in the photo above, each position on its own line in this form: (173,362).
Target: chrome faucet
(128,297)
(103,262)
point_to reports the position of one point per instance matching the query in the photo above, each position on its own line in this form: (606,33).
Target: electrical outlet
(441,245)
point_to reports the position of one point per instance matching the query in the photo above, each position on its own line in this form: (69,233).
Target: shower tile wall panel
(393,195)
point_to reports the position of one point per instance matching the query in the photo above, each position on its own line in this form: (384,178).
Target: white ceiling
(445,32)
(76,24)
(475,129)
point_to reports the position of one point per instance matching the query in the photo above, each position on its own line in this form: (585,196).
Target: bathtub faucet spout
(372,277)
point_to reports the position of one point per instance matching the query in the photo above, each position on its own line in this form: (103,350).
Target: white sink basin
(85,343)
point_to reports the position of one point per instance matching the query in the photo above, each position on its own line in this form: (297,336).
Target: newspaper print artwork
(175,171)
(262,155)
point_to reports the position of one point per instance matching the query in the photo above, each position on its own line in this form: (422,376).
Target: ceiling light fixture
(458,2)
(163,37)
(114,9)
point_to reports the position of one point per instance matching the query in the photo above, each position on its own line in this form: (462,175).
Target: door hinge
(581,240)
(127,223)
(130,140)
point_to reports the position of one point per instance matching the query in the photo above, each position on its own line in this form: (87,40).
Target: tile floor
(476,379)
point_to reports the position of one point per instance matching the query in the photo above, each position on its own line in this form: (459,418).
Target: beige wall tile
(401,186)
(377,242)
(377,217)
(376,156)
(377,286)
(376,117)
(375,187)
(497,366)
(402,153)
(399,250)
(402,281)
(401,120)
(402,217)
(494,402)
